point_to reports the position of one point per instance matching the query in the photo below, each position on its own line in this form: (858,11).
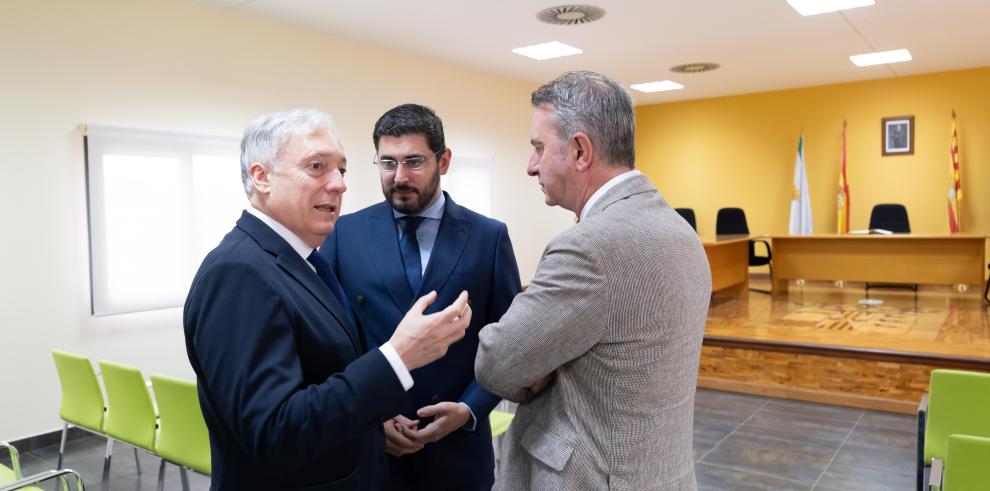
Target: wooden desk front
(928,259)
(728,258)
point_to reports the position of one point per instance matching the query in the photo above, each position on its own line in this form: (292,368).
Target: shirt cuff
(400,368)
(472,423)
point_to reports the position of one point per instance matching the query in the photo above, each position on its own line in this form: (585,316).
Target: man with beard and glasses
(419,240)
(291,396)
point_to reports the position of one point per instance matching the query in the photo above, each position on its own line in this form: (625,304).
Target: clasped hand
(403,435)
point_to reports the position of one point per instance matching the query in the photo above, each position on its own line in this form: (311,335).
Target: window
(158,203)
(469,182)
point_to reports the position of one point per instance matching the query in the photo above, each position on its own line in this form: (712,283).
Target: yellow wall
(740,151)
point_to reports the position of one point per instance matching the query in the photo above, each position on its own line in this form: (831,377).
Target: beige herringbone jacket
(616,311)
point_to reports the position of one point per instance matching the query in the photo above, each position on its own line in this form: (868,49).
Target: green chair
(183,438)
(11,477)
(64,475)
(82,398)
(134,420)
(958,402)
(967,465)
(12,473)
(500,421)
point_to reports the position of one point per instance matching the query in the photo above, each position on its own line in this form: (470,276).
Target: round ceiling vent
(694,67)
(567,15)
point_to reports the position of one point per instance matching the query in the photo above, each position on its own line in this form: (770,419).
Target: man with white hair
(290,394)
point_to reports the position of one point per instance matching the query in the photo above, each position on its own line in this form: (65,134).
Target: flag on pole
(955,186)
(801,200)
(842,201)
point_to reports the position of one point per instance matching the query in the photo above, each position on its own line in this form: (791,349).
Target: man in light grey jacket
(602,349)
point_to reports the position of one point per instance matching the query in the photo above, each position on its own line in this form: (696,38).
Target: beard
(421,200)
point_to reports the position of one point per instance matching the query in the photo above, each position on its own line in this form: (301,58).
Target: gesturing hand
(420,339)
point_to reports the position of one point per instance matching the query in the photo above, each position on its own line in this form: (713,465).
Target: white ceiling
(762,45)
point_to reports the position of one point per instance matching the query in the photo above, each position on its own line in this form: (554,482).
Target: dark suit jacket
(289,399)
(473,253)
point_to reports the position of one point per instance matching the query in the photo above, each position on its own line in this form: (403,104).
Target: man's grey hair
(597,106)
(265,136)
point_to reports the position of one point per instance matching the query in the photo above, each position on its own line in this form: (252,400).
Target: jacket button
(360,300)
(435,398)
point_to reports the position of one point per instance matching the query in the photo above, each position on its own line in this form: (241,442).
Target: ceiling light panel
(546,51)
(881,57)
(657,86)
(815,7)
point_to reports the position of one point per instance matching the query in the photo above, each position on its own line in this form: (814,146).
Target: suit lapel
(452,237)
(629,187)
(385,255)
(295,266)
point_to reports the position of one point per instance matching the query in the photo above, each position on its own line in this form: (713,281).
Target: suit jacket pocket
(547,447)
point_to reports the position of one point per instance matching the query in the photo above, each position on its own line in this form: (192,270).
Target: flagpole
(842,195)
(955,186)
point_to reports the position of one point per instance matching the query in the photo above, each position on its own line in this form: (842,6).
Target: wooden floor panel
(938,320)
(826,344)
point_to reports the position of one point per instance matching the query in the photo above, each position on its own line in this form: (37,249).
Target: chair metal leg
(161,476)
(185,478)
(137,461)
(922,424)
(106,460)
(61,446)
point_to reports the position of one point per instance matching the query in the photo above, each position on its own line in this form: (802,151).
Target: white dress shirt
(604,189)
(304,250)
(426,234)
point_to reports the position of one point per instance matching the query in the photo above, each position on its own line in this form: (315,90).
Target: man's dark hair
(411,119)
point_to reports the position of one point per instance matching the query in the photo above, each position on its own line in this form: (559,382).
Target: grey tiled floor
(85,455)
(744,442)
(741,442)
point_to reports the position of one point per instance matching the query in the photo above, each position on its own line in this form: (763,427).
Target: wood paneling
(926,259)
(848,381)
(786,392)
(729,263)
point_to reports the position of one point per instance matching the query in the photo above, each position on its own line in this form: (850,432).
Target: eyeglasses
(411,163)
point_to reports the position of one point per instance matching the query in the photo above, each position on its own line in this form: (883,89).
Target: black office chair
(732,221)
(894,218)
(688,215)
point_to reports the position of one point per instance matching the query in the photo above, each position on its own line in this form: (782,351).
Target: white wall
(173,66)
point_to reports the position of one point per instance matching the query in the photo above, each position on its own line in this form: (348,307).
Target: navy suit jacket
(290,397)
(472,252)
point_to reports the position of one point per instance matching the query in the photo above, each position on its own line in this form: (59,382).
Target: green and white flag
(801,198)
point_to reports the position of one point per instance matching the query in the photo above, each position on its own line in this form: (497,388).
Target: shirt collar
(604,189)
(297,244)
(434,211)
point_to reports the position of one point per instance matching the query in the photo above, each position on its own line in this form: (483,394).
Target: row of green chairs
(954,431)
(11,477)
(173,429)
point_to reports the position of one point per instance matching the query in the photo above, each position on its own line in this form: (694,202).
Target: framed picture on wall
(898,135)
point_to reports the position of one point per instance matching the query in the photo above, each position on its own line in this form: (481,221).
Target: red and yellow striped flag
(842,201)
(955,185)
